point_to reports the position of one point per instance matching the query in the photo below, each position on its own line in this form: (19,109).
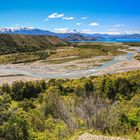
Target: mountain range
(76,36)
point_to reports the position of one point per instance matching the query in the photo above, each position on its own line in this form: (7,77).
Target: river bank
(99,65)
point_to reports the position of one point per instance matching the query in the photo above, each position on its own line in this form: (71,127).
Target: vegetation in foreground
(63,109)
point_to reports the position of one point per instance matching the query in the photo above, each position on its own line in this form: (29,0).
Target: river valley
(41,70)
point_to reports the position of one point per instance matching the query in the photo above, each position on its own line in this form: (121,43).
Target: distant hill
(26,31)
(79,37)
(32,31)
(12,43)
(68,36)
(122,36)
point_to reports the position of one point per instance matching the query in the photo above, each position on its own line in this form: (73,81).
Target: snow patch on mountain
(13,29)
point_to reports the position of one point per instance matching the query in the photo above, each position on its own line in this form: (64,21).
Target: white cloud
(113,33)
(56,15)
(87,31)
(94,24)
(65,30)
(132,32)
(62,30)
(110,33)
(117,25)
(78,24)
(83,18)
(68,18)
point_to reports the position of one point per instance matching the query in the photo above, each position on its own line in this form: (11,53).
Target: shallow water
(70,74)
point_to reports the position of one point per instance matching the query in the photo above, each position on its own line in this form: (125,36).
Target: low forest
(61,109)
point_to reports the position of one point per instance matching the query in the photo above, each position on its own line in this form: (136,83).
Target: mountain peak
(74,34)
(13,29)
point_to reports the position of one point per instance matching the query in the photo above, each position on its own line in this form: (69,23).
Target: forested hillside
(63,108)
(27,43)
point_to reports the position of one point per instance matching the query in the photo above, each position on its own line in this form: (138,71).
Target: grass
(82,52)
(137,57)
(12,75)
(64,54)
(97,61)
(23,57)
(131,50)
(60,61)
(79,52)
(87,64)
(135,44)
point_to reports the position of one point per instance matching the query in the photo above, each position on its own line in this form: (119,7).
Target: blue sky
(89,16)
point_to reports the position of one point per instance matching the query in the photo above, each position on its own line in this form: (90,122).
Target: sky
(86,16)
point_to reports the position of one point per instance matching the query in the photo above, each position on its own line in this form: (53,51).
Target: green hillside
(27,43)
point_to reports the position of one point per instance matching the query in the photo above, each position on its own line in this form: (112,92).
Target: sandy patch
(11,79)
(73,69)
(87,136)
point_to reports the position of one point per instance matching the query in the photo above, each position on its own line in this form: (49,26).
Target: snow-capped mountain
(31,31)
(36,31)
(10,29)
(26,30)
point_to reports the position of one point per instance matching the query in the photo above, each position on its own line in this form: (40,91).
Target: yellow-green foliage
(87,51)
(21,53)
(23,57)
(135,44)
(63,109)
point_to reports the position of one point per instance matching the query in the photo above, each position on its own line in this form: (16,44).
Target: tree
(55,105)
(123,87)
(17,127)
